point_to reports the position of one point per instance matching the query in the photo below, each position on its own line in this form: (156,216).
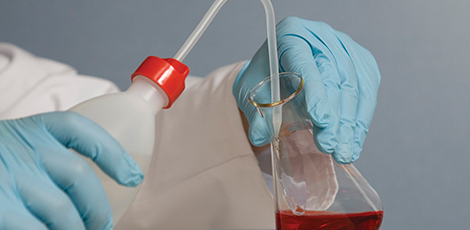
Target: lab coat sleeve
(203,174)
(31,85)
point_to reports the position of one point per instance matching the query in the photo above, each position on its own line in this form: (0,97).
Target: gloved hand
(341,85)
(43,185)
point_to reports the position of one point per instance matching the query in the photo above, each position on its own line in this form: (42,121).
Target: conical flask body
(311,190)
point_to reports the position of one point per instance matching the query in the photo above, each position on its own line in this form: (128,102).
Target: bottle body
(130,118)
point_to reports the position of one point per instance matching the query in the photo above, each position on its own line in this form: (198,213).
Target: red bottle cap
(168,73)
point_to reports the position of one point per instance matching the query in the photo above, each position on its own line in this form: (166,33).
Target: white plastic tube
(273,64)
(200,28)
(272,50)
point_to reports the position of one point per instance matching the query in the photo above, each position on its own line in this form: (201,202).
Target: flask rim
(280,102)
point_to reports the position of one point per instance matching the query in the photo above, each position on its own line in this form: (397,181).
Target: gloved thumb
(258,133)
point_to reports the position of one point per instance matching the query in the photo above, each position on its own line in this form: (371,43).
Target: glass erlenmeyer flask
(311,190)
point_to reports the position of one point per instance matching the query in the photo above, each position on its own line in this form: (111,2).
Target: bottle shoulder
(125,117)
(121,101)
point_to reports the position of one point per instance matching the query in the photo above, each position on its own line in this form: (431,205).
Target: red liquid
(313,220)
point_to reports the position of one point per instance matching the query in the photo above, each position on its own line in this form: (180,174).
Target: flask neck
(149,91)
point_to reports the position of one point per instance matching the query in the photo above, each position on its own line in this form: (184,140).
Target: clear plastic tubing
(272,50)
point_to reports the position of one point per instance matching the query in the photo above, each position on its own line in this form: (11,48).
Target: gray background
(417,152)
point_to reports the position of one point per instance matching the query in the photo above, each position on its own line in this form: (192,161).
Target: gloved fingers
(362,128)
(344,150)
(365,112)
(19,219)
(48,203)
(368,82)
(338,61)
(321,88)
(79,133)
(295,56)
(259,132)
(257,70)
(349,102)
(74,176)
(13,213)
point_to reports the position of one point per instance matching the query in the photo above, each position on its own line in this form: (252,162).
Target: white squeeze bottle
(129,117)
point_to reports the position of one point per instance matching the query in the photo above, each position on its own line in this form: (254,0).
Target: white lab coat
(203,174)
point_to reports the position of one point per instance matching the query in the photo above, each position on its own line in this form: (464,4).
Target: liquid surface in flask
(286,220)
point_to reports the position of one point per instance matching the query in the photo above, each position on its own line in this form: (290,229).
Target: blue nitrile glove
(341,85)
(43,185)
